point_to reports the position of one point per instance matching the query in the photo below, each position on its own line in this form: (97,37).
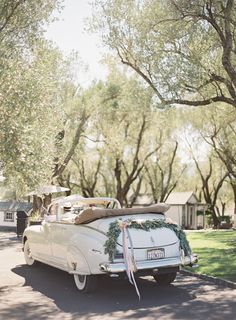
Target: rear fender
(89,244)
(77,262)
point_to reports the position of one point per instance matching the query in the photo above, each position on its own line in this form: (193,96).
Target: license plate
(156,254)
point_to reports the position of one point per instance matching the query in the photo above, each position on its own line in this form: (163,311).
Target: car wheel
(28,255)
(165,279)
(85,283)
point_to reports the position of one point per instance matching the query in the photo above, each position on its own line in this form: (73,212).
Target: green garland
(114,232)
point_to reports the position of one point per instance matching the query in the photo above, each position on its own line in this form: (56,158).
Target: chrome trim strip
(156,247)
(148,264)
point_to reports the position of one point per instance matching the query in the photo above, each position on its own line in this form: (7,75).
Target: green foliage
(31,116)
(33,77)
(114,232)
(124,132)
(124,136)
(177,47)
(36,216)
(23,21)
(226,219)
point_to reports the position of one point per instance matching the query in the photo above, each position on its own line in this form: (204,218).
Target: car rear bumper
(117,267)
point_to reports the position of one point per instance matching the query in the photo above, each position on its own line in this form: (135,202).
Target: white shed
(185,209)
(8,210)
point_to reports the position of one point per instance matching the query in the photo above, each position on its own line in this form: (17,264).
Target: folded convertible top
(91,214)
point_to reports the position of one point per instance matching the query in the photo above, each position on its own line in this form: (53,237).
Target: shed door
(191,220)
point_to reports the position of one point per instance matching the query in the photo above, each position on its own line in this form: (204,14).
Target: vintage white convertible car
(90,237)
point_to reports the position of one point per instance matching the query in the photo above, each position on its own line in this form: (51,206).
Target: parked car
(91,237)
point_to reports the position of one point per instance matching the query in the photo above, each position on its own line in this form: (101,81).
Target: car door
(59,242)
(40,242)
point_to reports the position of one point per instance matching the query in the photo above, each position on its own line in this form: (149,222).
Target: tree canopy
(125,135)
(184,50)
(31,75)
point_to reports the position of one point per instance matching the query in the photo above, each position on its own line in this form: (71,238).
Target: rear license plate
(156,254)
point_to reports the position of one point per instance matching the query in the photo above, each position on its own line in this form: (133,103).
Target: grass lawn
(216,252)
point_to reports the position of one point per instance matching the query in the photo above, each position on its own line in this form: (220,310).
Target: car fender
(76,261)
(89,245)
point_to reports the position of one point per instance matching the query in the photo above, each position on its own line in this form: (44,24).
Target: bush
(225,222)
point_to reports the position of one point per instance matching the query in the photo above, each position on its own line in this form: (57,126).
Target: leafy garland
(114,232)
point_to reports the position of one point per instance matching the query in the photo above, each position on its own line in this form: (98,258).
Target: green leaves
(31,116)
(183,50)
(114,232)
(32,76)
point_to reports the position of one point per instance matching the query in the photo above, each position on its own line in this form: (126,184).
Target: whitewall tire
(28,255)
(85,283)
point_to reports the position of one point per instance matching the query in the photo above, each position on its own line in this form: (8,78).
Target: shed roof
(180,198)
(15,206)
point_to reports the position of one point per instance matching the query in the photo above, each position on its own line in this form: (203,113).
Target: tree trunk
(216,221)
(234,192)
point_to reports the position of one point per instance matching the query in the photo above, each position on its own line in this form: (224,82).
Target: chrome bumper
(117,267)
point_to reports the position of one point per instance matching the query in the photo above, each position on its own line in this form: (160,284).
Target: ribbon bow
(130,265)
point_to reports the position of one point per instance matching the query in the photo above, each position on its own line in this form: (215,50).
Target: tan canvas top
(92,214)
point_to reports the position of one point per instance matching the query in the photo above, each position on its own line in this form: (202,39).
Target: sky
(68,33)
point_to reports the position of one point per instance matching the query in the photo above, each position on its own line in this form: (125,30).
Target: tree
(184,50)
(112,133)
(31,116)
(32,78)
(211,186)
(125,140)
(74,163)
(88,180)
(209,168)
(126,176)
(164,171)
(122,124)
(22,20)
(81,120)
(220,134)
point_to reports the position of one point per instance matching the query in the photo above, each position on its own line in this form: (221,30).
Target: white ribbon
(129,261)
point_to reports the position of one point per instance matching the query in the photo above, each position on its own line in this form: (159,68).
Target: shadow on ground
(112,294)
(115,297)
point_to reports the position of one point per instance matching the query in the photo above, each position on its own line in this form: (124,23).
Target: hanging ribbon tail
(134,267)
(136,287)
(130,265)
(126,255)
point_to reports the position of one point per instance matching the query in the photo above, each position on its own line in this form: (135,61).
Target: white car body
(79,249)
